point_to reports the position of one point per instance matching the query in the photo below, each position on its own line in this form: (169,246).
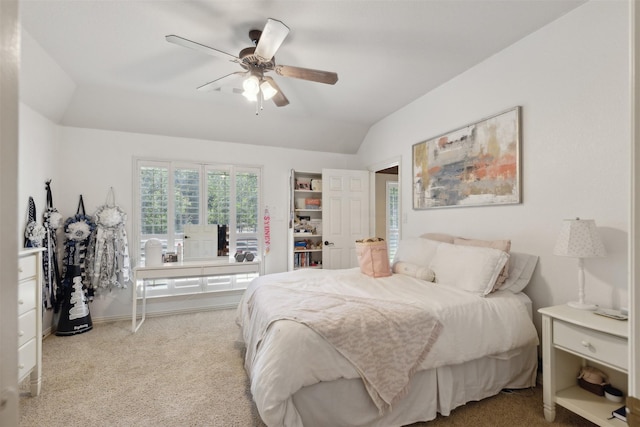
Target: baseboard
(110,319)
(165,313)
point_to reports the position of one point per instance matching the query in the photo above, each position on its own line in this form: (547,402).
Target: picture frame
(303,184)
(474,165)
(169,257)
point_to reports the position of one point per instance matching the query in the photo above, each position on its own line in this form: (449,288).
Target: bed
(340,348)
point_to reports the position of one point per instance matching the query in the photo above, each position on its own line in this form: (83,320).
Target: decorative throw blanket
(401,334)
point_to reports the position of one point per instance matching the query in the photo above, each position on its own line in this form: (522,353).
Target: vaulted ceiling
(108,66)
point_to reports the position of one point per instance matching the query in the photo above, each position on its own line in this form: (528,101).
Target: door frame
(9,135)
(634,214)
(389,163)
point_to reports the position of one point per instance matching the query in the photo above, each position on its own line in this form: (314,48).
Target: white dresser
(30,317)
(572,338)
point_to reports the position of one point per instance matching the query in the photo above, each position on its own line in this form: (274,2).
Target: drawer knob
(585,343)
(20,270)
(20,301)
(21,366)
(20,333)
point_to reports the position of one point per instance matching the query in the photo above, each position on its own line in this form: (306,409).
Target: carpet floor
(187,370)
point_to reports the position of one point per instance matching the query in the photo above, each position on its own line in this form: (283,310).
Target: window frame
(392,242)
(203,167)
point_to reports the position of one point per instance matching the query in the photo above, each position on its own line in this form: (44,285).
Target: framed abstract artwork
(476,165)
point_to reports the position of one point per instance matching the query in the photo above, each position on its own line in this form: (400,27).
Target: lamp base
(582,305)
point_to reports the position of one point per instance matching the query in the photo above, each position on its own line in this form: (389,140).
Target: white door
(345,215)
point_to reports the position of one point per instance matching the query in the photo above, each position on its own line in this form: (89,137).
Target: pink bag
(373,257)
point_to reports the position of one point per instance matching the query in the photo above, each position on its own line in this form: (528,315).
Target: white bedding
(292,356)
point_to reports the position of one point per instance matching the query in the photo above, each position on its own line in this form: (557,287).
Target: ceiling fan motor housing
(251,61)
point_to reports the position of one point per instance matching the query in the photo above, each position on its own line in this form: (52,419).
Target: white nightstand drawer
(27,297)
(592,344)
(26,358)
(26,327)
(26,267)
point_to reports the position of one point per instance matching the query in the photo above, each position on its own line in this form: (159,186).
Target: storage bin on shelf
(312,203)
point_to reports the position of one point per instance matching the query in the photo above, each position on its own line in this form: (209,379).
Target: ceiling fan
(256,62)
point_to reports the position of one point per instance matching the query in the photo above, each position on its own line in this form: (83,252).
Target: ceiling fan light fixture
(253,97)
(268,91)
(251,86)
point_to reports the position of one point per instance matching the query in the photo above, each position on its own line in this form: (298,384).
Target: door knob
(328,243)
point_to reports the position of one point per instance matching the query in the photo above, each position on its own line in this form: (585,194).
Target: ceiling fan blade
(279,99)
(319,76)
(180,41)
(273,35)
(216,84)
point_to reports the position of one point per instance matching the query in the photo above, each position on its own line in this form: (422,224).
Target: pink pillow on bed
(439,237)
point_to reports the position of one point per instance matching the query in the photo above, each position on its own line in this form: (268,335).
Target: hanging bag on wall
(373,257)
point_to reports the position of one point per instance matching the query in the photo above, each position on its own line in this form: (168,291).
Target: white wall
(37,157)
(572,80)
(91,161)
(37,163)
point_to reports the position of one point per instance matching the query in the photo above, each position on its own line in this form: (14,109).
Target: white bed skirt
(345,402)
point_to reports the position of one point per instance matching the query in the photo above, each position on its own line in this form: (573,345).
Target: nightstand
(572,338)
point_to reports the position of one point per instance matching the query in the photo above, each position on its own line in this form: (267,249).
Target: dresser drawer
(27,297)
(26,358)
(26,267)
(26,327)
(592,344)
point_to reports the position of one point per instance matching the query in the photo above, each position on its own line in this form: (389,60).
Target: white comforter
(292,356)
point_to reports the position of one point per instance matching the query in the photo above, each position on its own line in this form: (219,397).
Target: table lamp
(579,238)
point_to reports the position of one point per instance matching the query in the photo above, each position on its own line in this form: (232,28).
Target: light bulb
(268,91)
(251,85)
(253,97)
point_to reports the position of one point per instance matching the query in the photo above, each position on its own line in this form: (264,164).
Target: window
(392,217)
(171,194)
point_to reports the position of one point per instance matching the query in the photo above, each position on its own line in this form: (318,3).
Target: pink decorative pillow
(503,245)
(439,237)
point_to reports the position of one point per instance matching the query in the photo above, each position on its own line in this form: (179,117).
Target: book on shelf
(620,413)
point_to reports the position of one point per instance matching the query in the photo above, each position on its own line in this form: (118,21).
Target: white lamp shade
(579,238)
(268,91)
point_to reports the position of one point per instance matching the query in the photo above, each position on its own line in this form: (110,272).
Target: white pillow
(521,267)
(415,250)
(414,270)
(471,268)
